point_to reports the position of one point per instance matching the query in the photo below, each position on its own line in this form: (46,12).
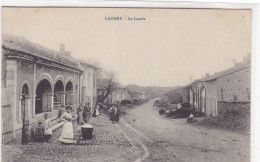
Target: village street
(186,142)
(141,135)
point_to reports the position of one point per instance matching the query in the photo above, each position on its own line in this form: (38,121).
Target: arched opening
(25,100)
(69,93)
(43,101)
(58,95)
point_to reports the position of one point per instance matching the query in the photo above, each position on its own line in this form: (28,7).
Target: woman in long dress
(67,130)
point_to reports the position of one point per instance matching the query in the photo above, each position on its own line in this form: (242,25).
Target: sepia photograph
(126,84)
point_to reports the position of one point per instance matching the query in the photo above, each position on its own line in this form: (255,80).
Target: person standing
(179,106)
(113,112)
(67,130)
(39,133)
(47,128)
(117,114)
(97,110)
(94,113)
(80,114)
(86,113)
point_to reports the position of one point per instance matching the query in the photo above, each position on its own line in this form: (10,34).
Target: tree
(107,84)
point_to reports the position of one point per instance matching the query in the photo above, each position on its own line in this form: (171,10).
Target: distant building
(117,95)
(88,84)
(174,96)
(120,94)
(194,94)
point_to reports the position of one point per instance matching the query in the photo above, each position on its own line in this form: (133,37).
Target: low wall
(233,106)
(54,116)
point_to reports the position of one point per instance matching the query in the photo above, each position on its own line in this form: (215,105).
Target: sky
(171,47)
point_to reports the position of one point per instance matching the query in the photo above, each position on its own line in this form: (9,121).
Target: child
(39,133)
(190,119)
(47,128)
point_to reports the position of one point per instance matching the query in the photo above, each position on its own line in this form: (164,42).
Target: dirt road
(174,140)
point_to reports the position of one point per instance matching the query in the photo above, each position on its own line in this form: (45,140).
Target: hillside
(154,90)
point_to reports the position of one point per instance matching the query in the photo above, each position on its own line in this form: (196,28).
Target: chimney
(62,49)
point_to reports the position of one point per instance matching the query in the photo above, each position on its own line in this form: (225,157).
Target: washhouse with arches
(35,82)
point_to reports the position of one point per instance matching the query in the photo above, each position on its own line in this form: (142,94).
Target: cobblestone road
(111,142)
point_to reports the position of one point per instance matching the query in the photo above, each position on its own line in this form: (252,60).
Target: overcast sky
(171,47)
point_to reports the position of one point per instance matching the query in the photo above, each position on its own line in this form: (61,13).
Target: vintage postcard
(126,84)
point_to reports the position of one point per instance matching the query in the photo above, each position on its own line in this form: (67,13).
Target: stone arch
(43,100)
(59,92)
(45,76)
(59,77)
(69,96)
(69,79)
(25,82)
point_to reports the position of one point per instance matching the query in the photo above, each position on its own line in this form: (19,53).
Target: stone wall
(235,86)
(239,107)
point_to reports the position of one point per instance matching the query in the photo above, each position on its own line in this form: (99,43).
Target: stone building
(89,84)
(227,87)
(35,81)
(194,94)
(211,94)
(120,94)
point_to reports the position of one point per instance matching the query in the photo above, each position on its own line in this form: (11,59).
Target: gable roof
(226,72)
(21,44)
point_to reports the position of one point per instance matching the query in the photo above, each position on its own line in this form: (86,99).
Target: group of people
(43,131)
(83,116)
(85,113)
(114,114)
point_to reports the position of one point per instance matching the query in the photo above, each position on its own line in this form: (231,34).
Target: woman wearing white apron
(67,130)
(97,111)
